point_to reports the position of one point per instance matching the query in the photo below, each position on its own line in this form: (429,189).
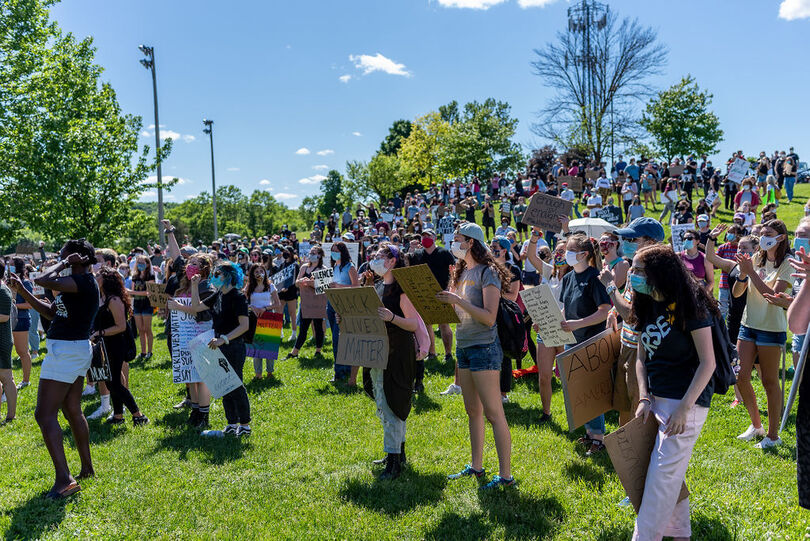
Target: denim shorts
(143,311)
(23,324)
(481,357)
(798,342)
(762,338)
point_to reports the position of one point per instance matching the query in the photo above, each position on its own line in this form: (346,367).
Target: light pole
(208,128)
(149,63)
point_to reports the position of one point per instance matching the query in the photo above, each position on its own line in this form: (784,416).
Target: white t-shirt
(567,194)
(595,200)
(603,183)
(527,265)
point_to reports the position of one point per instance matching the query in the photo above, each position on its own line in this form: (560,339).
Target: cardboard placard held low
(363,337)
(630,449)
(156,293)
(544,211)
(586,372)
(542,306)
(421,287)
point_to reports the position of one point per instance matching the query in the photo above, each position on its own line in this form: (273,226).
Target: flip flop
(66,492)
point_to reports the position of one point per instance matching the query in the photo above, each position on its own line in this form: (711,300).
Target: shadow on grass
(174,419)
(410,491)
(314,362)
(704,527)
(257,386)
(616,533)
(587,472)
(436,365)
(423,403)
(215,450)
(35,517)
(454,526)
(522,516)
(339,388)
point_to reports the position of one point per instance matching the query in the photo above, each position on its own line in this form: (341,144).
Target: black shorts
(521,227)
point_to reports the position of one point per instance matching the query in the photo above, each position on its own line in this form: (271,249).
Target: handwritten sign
(284,278)
(630,449)
(575,183)
(212,366)
(363,337)
(506,207)
(184,329)
(156,294)
(738,170)
(387,217)
(587,379)
(678,231)
(545,312)
(421,287)
(675,170)
(353,247)
(592,175)
(448,239)
(611,214)
(446,226)
(544,211)
(37,291)
(304,247)
(313,306)
(323,278)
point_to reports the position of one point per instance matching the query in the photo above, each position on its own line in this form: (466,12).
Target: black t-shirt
(226,309)
(439,262)
(683,218)
(582,293)
(140,303)
(672,358)
(75,312)
(515,270)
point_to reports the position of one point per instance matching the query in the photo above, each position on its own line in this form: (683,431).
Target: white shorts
(66,360)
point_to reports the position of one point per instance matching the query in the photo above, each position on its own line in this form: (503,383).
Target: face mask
(639,284)
(96,268)
(427,242)
(746,188)
(141,267)
(366,244)
(313,258)
(766,243)
(801,243)
(335,256)
(730,237)
(457,250)
(378,266)
(259,276)
(571,257)
(688,244)
(559,260)
(191,270)
(629,248)
(702,224)
(217,282)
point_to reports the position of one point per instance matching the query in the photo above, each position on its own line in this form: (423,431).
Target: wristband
(393,315)
(645,399)
(225,339)
(611,288)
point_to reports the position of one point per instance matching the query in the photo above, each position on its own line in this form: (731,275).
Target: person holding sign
(289,296)
(261,296)
(345,276)
(478,282)
(312,311)
(6,343)
(392,386)
(141,307)
(673,315)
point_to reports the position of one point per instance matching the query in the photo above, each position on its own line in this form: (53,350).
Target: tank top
(696,266)
(342,275)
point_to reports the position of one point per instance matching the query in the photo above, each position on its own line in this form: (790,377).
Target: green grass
(306,471)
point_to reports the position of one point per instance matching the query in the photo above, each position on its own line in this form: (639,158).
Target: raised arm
(41,306)
(173,247)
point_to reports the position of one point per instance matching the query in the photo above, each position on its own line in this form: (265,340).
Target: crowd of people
(665,303)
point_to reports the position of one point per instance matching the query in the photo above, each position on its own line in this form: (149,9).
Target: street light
(208,128)
(149,63)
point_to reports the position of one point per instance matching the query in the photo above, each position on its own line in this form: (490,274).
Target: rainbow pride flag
(267,339)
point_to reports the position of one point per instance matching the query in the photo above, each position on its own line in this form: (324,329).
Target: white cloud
(166,178)
(190,196)
(233,169)
(264,182)
(189,138)
(794,9)
(325,152)
(320,167)
(169,197)
(345,78)
(303,151)
(471,4)
(370,64)
(314,179)
(145,133)
(166,133)
(283,196)
(357,134)
(535,3)
(149,193)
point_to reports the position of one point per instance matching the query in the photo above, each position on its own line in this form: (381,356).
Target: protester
(500,247)
(695,261)
(345,276)
(141,307)
(306,286)
(261,296)
(799,319)
(6,342)
(21,329)
(289,296)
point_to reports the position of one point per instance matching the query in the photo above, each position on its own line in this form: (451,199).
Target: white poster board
(738,170)
(678,231)
(184,329)
(323,277)
(448,239)
(304,247)
(388,217)
(37,291)
(212,366)
(545,312)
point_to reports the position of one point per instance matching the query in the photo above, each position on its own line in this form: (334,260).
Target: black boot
(402,455)
(202,421)
(392,467)
(193,418)
(419,387)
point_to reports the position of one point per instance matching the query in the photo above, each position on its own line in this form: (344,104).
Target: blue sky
(295,87)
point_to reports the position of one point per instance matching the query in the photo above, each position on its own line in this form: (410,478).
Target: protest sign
(323,277)
(267,339)
(37,291)
(387,217)
(675,170)
(156,293)
(284,278)
(353,247)
(304,247)
(575,183)
(611,214)
(184,328)
(544,211)
(592,175)
(448,239)
(630,448)
(212,366)
(545,312)
(677,235)
(711,197)
(506,207)
(446,226)
(363,337)
(313,306)
(587,379)
(421,287)
(738,170)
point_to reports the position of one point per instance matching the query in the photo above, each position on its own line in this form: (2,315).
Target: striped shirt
(726,251)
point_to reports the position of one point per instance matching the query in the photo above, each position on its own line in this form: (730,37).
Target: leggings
(119,395)
(532,343)
(317,327)
(236,403)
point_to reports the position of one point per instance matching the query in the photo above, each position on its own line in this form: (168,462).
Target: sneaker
(243,431)
(545,418)
(451,389)
(418,388)
(751,433)
(229,430)
(505,399)
(185,403)
(22,385)
(99,413)
(596,448)
(115,420)
(431,357)
(449,359)
(466,472)
(293,337)
(767,443)
(734,403)
(625,502)
(89,390)
(498,481)
(139,421)
(147,356)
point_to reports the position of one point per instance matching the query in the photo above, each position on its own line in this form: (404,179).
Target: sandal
(291,356)
(596,447)
(66,492)
(585,440)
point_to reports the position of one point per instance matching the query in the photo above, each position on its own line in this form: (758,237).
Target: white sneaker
(89,390)
(22,385)
(767,443)
(99,413)
(505,399)
(293,336)
(751,433)
(451,389)
(3,400)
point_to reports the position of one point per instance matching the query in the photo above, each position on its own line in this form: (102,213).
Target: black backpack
(725,357)
(511,330)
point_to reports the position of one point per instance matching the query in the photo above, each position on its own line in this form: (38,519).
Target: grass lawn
(306,472)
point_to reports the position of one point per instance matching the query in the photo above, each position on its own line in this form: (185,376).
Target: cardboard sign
(586,372)
(711,197)
(212,366)
(184,329)
(363,337)
(313,306)
(323,278)
(387,217)
(448,239)
(545,312)
(353,247)
(446,226)
(157,294)
(738,170)
(284,278)
(267,339)
(591,175)
(677,235)
(544,211)
(421,287)
(612,215)
(675,170)
(575,183)
(630,449)
(37,291)
(304,247)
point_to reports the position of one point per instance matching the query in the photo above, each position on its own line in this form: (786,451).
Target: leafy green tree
(422,151)
(139,229)
(308,209)
(400,130)
(379,179)
(331,188)
(680,122)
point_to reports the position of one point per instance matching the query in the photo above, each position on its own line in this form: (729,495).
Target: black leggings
(527,324)
(236,403)
(119,395)
(317,327)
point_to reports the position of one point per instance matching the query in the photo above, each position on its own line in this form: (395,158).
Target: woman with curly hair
(477,284)
(673,315)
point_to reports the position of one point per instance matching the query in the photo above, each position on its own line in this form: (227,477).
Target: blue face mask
(366,243)
(217,282)
(688,244)
(639,284)
(801,243)
(730,237)
(629,248)
(335,256)
(141,267)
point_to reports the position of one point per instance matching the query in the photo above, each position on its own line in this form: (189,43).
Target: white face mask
(457,250)
(378,266)
(571,257)
(766,243)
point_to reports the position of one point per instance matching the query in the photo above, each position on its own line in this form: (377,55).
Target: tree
(379,179)
(542,161)
(331,189)
(421,152)
(680,122)
(400,130)
(308,209)
(598,67)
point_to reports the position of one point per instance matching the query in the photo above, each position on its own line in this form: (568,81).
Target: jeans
(393,426)
(789,183)
(33,332)
(303,328)
(236,403)
(342,371)
(724,298)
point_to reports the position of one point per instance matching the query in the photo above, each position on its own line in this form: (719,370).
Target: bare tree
(599,67)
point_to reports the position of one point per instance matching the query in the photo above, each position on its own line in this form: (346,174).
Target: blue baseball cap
(643,227)
(504,242)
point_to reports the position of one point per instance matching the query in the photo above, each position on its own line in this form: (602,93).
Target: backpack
(511,330)
(725,357)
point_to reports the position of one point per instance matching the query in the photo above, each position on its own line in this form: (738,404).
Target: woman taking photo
(111,328)
(612,261)
(261,296)
(673,316)
(69,355)
(345,276)
(695,261)
(20,331)
(764,325)
(141,307)
(478,281)
(313,307)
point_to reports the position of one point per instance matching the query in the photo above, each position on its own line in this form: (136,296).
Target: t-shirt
(635,211)
(582,293)
(439,262)
(471,286)
(527,264)
(6,341)
(632,170)
(226,309)
(519,211)
(672,358)
(23,313)
(759,313)
(75,312)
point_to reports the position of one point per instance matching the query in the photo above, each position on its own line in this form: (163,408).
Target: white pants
(660,513)
(393,426)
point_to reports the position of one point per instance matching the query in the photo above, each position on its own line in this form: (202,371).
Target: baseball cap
(429,232)
(643,227)
(703,218)
(348,236)
(473,231)
(503,241)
